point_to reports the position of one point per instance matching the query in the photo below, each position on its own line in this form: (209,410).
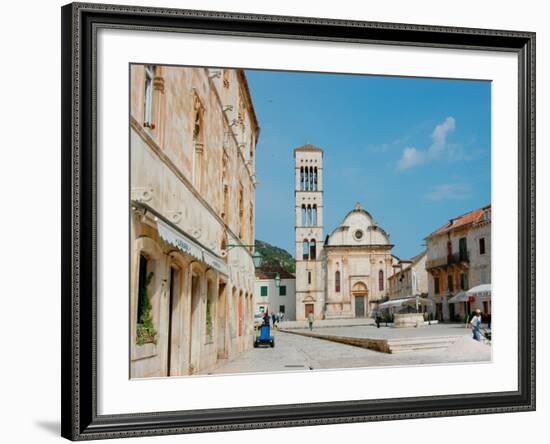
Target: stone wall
(192,170)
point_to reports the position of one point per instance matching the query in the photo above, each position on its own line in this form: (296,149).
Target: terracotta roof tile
(461,221)
(269,273)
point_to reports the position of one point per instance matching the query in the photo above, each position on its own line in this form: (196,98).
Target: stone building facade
(410,278)
(459,258)
(358,263)
(344,275)
(193,133)
(273,299)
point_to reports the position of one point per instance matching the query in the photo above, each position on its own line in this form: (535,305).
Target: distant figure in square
(476,325)
(310,318)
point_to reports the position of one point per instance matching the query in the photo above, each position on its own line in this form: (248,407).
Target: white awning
(459,297)
(480,292)
(179,240)
(391,303)
(187,245)
(215,262)
(411,301)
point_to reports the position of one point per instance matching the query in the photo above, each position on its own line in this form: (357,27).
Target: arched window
(148,96)
(312,250)
(315,179)
(302,179)
(314,215)
(380,280)
(308,179)
(198,142)
(309,215)
(337,281)
(304,220)
(305,250)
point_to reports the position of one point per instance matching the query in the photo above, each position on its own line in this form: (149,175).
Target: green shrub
(145,331)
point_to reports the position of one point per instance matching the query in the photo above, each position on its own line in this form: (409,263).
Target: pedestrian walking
(476,325)
(310,318)
(377,319)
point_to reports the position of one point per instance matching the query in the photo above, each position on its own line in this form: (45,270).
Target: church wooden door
(359,306)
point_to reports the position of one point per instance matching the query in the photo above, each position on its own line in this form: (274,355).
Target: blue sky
(415,152)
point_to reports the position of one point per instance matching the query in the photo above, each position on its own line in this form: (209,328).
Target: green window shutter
(282,290)
(263,291)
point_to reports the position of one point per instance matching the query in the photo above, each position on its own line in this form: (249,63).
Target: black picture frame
(80,22)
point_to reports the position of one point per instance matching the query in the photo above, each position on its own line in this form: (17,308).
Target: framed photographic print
(280,221)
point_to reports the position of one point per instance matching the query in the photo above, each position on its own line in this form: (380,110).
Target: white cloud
(449,191)
(412,156)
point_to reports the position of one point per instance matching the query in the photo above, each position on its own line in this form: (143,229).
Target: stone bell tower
(310,287)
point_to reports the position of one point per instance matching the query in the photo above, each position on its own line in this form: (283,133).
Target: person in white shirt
(476,325)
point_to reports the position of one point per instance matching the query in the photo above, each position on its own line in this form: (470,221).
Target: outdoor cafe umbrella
(481,292)
(410,300)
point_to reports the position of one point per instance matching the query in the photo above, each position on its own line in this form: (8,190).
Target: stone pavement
(298,353)
(327,323)
(370,331)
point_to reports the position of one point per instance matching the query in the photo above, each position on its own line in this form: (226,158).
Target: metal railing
(454,258)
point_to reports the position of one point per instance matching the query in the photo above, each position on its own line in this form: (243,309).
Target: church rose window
(358,234)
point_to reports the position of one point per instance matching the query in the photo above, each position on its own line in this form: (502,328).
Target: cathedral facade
(345,274)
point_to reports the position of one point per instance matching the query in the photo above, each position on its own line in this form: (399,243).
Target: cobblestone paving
(298,353)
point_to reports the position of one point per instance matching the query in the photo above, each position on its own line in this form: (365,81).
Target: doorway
(173,318)
(309,308)
(195,336)
(222,332)
(359,306)
(451,312)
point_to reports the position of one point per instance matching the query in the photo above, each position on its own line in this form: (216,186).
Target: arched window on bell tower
(312,250)
(304,216)
(315,179)
(305,250)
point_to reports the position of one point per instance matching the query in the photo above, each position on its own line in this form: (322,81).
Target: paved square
(294,352)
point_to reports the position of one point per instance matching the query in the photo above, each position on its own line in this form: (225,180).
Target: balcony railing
(460,257)
(457,258)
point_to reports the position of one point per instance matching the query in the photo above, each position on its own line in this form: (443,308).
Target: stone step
(405,345)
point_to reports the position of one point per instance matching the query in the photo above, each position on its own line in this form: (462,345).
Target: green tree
(274,256)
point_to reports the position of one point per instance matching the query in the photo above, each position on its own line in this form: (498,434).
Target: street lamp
(257,258)
(277,280)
